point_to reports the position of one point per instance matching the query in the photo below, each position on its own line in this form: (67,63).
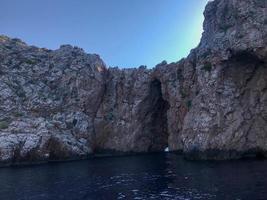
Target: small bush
(3,125)
(183,94)
(2,37)
(16,40)
(260,3)
(74,122)
(164,62)
(1,72)
(207,53)
(207,66)
(21,94)
(8,47)
(179,74)
(110,116)
(30,62)
(142,67)
(189,104)
(18,114)
(225,27)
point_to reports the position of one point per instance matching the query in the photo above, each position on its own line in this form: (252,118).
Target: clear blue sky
(125,33)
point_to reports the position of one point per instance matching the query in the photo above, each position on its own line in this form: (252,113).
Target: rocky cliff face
(49,100)
(66,104)
(228,116)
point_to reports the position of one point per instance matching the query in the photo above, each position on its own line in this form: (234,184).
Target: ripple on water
(137,177)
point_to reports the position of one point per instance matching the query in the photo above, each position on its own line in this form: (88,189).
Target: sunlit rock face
(66,104)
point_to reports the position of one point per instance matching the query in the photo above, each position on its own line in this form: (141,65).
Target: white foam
(166,149)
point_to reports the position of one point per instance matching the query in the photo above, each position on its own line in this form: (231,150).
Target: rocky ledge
(66,104)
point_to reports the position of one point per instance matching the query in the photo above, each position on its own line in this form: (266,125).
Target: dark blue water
(156,176)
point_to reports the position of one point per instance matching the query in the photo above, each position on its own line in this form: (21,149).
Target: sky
(125,33)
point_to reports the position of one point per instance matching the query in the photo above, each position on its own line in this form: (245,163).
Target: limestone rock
(48,101)
(66,104)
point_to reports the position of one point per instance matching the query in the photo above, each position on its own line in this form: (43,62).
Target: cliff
(66,104)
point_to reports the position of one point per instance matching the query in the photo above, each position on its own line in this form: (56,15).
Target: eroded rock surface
(66,104)
(227,119)
(49,100)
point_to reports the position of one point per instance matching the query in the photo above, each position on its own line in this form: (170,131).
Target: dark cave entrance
(154,119)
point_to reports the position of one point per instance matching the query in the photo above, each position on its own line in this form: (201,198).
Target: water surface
(155,176)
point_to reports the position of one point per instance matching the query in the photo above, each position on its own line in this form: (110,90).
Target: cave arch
(154,119)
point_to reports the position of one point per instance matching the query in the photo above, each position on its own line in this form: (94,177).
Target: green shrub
(21,94)
(183,94)
(2,37)
(207,66)
(179,74)
(110,116)
(260,3)
(225,27)
(189,104)
(74,122)
(3,124)
(8,47)
(30,62)
(16,40)
(206,54)
(18,114)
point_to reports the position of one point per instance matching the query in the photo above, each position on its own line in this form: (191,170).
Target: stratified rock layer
(66,104)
